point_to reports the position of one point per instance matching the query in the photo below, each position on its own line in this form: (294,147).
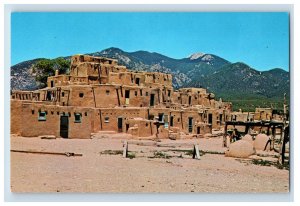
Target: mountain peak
(196,55)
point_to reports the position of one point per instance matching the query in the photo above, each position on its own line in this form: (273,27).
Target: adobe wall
(108,117)
(32,127)
(81,96)
(15,117)
(140,127)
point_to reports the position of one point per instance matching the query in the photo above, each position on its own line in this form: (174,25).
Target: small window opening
(81,95)
(107,92)
(106,119)
(127,93)
(77,117)
(42,116)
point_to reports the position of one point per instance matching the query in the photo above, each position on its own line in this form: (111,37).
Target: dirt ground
(165,166)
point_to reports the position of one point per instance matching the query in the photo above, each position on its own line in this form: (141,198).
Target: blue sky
(260,40)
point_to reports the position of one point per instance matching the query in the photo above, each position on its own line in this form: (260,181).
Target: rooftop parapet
(77,59)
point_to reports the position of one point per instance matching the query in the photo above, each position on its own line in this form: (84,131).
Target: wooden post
(225,136)
(94,97)
(118,96)
(125,149)
(100,116)
(196,153)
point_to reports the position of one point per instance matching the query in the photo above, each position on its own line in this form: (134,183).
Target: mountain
(229,81)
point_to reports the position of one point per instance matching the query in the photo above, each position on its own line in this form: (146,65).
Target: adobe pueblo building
(100,95)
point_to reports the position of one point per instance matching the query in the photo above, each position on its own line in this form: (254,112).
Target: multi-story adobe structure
(100,95)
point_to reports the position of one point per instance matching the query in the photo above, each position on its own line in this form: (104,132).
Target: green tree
(46,67)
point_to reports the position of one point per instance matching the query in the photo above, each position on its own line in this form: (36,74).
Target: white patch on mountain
(207,57)
(196,55)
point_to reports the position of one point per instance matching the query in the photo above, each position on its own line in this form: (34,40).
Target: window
(107,92)
(127,93)
(42,116)
(161,117)
(137,81)
(32,111)
(135,93)
(81,95)
(62,94)
(147,94)
(77,117)
(106,119)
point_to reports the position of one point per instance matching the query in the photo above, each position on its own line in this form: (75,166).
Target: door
(171,121)
(209,118)
(64,126)
(152,100)
(190,124)
(120,124)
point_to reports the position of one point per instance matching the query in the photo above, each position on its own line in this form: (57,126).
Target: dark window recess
(85,114)
(147,94)
(169,93)
(62,94)
(141,92)
(106,119)
(77,117)
(178,120)
(137,81)
(81,94)
(190,124)
(120,124)
(32,111)
(52,83)
(152,100)
(178,98)
(42,116)
(161,117)
(107,92)
(171,121)
(127,93)
(209,118)
(135,93)
(190,100)
(48,95)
